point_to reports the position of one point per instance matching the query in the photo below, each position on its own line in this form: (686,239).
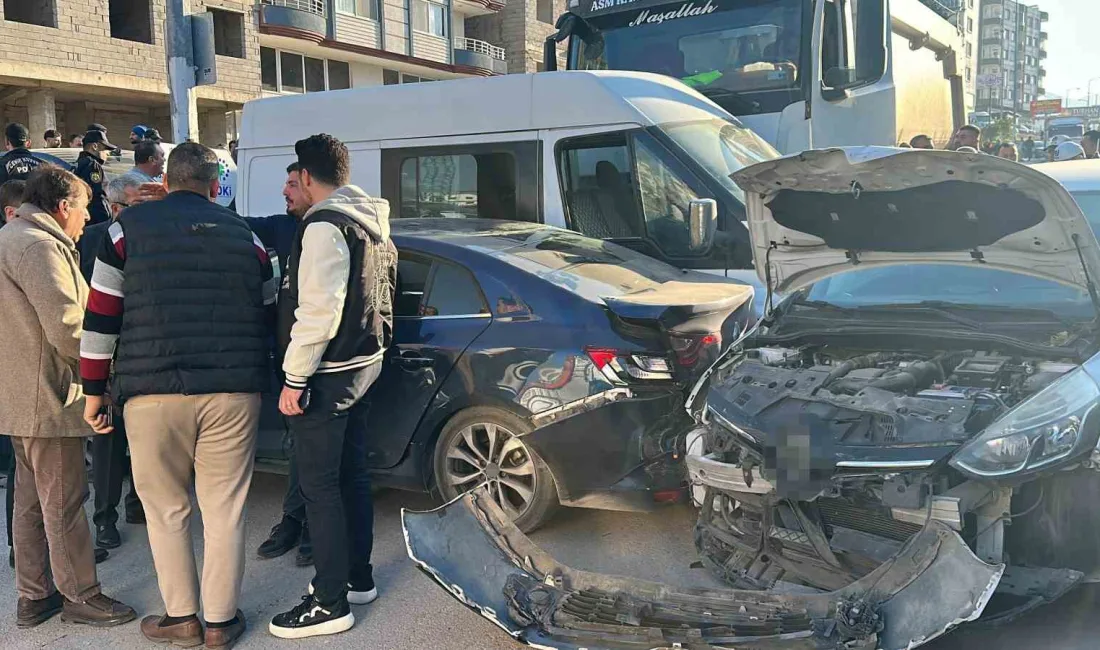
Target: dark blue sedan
(548,364)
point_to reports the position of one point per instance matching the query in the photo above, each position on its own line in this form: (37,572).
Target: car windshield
(950,284)
(722,147)
(741,47)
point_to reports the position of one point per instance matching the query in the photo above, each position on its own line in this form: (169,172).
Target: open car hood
(475,553)
(821,212)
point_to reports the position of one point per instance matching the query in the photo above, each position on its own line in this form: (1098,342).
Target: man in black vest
(182,290)
(335,323)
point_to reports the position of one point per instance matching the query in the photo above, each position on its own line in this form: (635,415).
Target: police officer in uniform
(18,162)
(89,167)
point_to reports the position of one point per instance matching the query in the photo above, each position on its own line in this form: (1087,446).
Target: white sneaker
(309,618)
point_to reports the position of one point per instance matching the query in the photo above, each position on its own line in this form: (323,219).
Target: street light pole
(1089,100)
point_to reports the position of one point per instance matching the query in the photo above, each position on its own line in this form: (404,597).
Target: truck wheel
(483,445)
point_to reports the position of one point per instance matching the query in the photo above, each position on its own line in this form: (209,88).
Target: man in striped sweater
(181,304)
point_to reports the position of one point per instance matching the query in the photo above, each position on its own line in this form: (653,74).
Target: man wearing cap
(137,134)
(89,167)
(18,162)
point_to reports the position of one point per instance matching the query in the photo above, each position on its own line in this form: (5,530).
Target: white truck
(800,73)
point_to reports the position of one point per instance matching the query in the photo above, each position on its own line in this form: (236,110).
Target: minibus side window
(496,181)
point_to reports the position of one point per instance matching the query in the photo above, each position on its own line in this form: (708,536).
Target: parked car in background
(908,442)
(550,365)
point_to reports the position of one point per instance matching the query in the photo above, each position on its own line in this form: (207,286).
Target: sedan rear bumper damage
(470,548)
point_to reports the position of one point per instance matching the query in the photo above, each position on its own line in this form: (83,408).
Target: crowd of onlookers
(154,328)
(968,139)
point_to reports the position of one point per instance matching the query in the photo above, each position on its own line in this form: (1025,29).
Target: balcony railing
(316,7)
(302,19)
(480,47)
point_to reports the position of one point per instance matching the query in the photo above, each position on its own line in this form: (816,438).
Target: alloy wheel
(489,453)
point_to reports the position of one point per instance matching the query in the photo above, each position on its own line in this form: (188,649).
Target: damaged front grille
(724,618)
(867,518)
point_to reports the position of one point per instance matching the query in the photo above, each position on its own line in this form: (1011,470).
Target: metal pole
(181,71)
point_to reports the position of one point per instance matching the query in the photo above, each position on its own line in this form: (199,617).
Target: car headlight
(1042,429)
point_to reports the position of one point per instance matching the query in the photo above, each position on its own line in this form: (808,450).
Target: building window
(970,25)
(32,13)
(339,75)
(429,17)
(390,77)
(131,20)
(361,8)
(290,72)
(544,11)
(315,75)
(269,69)
(228,33)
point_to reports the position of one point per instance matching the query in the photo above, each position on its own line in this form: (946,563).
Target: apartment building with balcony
(1012,47)
(68,63)
(521,27)
(316,45)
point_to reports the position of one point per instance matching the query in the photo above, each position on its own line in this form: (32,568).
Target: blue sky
(1073,48)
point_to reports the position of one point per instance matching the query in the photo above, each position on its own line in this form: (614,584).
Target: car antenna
(1088,278)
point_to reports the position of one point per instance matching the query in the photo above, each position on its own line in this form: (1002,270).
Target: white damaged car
(905,443)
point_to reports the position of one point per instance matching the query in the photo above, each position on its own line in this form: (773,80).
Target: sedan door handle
(413,361)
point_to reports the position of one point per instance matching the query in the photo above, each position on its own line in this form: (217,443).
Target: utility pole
(189,47)
(181,71)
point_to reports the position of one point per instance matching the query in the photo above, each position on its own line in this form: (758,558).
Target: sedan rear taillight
(618,367)
(690,349)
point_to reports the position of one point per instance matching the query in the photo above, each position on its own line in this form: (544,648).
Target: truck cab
(801,74)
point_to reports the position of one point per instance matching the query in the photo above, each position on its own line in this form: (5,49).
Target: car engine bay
(814,466)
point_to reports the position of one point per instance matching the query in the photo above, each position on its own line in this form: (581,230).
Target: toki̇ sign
(686,10)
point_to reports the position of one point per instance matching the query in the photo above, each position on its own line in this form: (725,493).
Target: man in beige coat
(42,295)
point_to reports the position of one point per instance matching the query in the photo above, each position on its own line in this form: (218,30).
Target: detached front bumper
(470,548)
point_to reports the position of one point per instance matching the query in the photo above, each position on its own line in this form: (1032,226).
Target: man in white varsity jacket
(335,323)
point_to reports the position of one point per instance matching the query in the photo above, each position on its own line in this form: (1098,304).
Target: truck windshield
(719,47)
(1071,130)
(721,147)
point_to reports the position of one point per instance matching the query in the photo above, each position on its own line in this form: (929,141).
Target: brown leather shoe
(97,611)
(186,634)
(29,613)
(223,638)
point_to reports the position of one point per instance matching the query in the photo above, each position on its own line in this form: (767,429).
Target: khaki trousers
(49,527)
(210,441)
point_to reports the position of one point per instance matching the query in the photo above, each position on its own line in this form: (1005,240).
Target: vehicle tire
(479,445)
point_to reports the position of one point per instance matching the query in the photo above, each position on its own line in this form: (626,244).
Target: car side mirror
(702,222)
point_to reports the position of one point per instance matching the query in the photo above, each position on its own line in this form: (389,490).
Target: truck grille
(867,518)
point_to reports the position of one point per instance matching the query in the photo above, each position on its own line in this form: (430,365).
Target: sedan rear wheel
(484,445)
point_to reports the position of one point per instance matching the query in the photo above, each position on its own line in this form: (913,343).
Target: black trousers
(109,467)
(335,483)
(294,505)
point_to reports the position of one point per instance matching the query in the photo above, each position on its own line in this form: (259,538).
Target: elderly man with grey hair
(109,463)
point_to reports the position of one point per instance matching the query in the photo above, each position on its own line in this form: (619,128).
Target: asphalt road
(413,614)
